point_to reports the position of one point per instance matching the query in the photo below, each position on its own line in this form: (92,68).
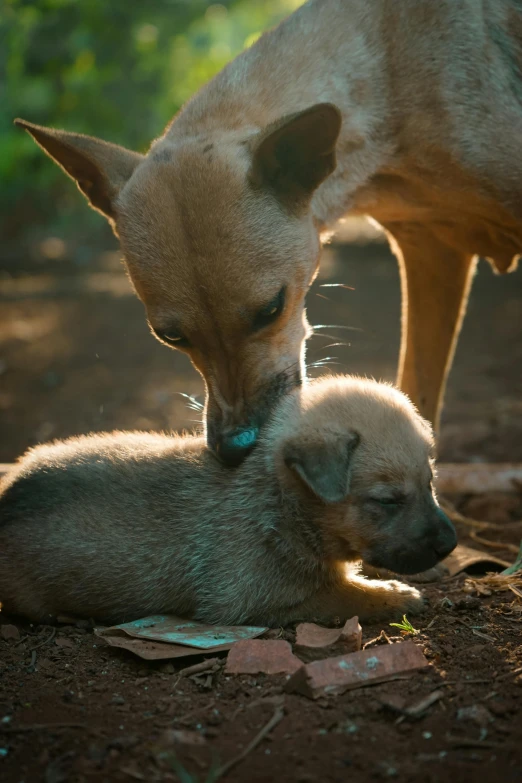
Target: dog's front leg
(435,282)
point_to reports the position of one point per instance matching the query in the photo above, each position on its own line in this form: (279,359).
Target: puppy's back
(66,508)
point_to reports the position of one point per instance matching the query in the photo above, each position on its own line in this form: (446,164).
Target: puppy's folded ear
(99,168)
(295,154)
(323,465)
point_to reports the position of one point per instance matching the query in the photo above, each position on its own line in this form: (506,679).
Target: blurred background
(75,351)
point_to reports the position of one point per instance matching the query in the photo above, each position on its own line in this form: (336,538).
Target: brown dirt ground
(76,356)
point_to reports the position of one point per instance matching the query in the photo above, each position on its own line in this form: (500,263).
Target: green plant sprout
(405,626)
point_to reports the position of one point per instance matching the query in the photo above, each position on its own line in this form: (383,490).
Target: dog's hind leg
(435,281)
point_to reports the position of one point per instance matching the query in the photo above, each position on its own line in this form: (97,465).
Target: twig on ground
(495,583)
(506,675)
(198,668)
(382,636)
(267,728)
(196,711)
(483,635)
(418,709)
(474,630)
(456,516)
(517,592)
(46,641)
(492,544)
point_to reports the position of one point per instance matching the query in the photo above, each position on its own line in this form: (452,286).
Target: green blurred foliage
(118,69)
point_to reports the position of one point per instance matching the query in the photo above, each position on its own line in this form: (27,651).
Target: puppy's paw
(407,599)
(386,600)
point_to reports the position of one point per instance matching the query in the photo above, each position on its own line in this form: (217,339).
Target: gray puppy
(124,525)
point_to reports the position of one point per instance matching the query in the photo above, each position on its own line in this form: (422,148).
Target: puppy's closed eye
(389,501)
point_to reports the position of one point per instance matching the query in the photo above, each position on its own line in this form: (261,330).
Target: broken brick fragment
(262,656)
(313,641)
(336,675)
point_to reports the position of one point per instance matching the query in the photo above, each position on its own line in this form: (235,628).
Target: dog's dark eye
(270,312)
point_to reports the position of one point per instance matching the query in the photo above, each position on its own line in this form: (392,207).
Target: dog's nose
(447,535)
(233,447)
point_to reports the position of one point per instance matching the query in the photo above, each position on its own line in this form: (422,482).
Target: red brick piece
(336,675)
(313,641)
(262,656)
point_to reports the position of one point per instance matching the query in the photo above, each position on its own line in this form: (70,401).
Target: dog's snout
(446,540)
(233,447)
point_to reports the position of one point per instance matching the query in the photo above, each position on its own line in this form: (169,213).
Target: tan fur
(228,205)
(125,525)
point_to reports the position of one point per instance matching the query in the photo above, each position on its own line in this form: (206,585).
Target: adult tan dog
(409,111)
(124,525)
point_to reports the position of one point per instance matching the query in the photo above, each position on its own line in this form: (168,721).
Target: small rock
(477,713)
(85,625)
(262,656)
(336,675)
(498,706)
(167,668)
(64,643)
(313,641)
(10,633)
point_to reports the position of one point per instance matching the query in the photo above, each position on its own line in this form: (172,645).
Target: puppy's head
(221,247)
(360,453)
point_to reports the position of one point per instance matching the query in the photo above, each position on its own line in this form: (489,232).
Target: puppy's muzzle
(446,536)
(435,540)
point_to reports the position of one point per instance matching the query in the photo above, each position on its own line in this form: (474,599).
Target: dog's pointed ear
(99,168)
(324,465)
(294,155)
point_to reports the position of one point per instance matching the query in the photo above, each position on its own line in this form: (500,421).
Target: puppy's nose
(233,447)
(447,535)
